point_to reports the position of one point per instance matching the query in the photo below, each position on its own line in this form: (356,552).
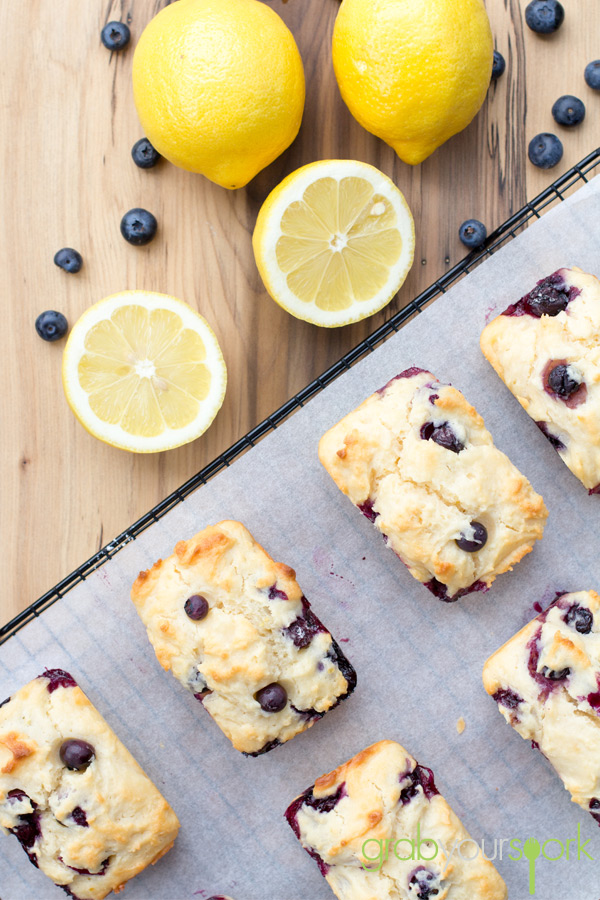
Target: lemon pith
(143,372)
(219,87)
(413,73)
(334,242)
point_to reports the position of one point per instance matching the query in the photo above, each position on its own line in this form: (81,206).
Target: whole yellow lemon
(219,87)
(413,72)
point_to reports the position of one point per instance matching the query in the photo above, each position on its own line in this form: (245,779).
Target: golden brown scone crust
(242,645)
(423,496)
(523,349)
(560,712)
(378,798)
(129,823)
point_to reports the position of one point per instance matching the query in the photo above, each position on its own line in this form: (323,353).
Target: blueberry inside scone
(360,822)
(546,682)
(546,349)
(418,462)
(72,795)
(236,630)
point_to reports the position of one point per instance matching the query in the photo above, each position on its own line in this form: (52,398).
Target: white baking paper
(418,660)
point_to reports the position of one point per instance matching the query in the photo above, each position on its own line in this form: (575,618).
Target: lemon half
(144,372)
(334,242)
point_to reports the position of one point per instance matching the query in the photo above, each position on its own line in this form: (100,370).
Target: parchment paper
(418,660)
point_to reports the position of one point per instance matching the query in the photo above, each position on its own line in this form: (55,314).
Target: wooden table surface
(68,124)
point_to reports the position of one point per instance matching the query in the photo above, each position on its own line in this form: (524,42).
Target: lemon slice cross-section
(144,372)
(334,242)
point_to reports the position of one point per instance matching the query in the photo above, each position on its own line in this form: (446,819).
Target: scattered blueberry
(51,325)
(568,110)
(498,66)
(68,259)
(272,698)
(115,35)
(592,75)
(472,233)
(476,541)
(143,154)
(443,435)
(544,16)
(76,754)
(196,607)
(545,150)
(580,618)
(138,226)
(561,382)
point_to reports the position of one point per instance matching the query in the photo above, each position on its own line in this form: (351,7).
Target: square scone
(235,629)
(546,682)
(546,349)
(368,824)
(83,810)
(418,462)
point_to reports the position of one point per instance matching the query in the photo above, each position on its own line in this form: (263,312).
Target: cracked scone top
(546,682)
(235,629)
(82,808)
(546,349)
(357,822)
(417,460)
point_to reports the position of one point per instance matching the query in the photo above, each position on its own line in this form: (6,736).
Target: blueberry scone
(368,822)
(546,349)
(546,682)
(418,462)
(235,629)
(82,808)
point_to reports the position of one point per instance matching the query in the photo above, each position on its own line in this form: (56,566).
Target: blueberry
(51,325)
(138,226)
(58,678)
(561,382)
(79,817)
(548,299)
(475,541)
(423,884)
(568,110)
(554,675)
(143,154)
(115,35)
(554,440)
(498,66)
(506,697)
(196,607)
(544,16)
(545,150)
(592,75)
(443,435)
(580,618)
(272,698)
(472,233)
(76,754)
(68,259)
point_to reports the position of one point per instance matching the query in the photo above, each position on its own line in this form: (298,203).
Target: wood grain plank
(67,116)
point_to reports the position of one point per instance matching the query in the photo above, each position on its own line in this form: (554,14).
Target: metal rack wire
(553,194)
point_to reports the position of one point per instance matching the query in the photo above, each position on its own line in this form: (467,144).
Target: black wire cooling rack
(553,194)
